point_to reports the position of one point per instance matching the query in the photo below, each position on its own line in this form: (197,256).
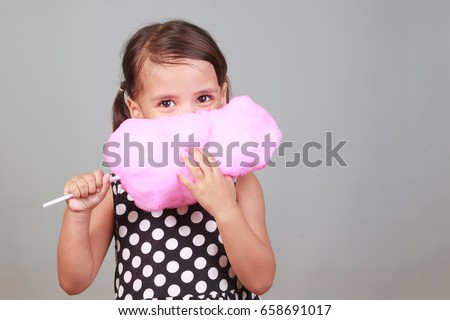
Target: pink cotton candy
(145,153)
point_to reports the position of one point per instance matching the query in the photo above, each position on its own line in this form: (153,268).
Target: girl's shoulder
(247,183)
(250,196)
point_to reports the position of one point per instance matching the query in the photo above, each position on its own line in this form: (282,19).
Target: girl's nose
(191,108)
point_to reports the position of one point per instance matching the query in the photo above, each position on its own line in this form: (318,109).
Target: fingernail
(182,155)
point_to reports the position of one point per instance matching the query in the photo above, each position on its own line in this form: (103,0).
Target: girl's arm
(241,220)
(245,237)
(86,231)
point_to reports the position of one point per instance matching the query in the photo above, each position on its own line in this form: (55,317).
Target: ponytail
(120,111)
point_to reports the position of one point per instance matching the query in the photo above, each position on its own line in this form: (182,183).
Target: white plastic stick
(70,196)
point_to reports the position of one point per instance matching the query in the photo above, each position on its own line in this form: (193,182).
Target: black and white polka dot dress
(171,254)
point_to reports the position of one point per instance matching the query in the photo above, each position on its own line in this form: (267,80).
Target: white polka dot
(160,279)
(196,217)
(220,239)
(117,283)
(212,249)
(173,290)
(223,260)
(182,210)
(211,226)
(134,239)
(119,189)
(213,273)
(158,256)
(137,284)
(130,197)
(122,231)
(201,286)
(200,263)
(223,284)
(120,209)
(120,267)
(114,189)
(186,253)
(157,214)
(148,293)
(170,221)
(136,262)
(125,254)
(239,284)
(146,247)
(198,240)
(157,234)
(144,225)
(147,271)
(173,266)
(184,231)
(187,276)
(172,244)
(127,276)
(120,293)
(132,216)
(128,297)
(231,272)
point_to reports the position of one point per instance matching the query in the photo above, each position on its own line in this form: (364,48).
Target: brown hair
(164,43)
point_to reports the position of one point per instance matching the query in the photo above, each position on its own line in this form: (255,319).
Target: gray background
(375,73)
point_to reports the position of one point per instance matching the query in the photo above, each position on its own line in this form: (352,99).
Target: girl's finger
(98,175)
(82,185)
(211,161)
(91,184)
(193,167)
(202,161)
(72,187)
(105,186)
(186,182)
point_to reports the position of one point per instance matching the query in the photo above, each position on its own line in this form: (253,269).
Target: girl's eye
(203,99)
(167,103)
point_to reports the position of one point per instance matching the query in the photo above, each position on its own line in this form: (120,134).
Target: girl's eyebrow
(163,97)
(206,91)
(160,97)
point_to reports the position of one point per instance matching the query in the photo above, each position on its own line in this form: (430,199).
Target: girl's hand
(215,192)
(88,191)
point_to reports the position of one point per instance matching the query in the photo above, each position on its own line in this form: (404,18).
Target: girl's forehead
(181,73)
(201,66)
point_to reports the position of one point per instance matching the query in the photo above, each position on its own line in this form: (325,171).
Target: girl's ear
(135,110)
(223,93)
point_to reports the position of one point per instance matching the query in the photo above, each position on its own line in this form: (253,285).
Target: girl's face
(172,89)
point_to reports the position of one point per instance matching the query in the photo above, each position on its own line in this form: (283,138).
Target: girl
(219,247)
